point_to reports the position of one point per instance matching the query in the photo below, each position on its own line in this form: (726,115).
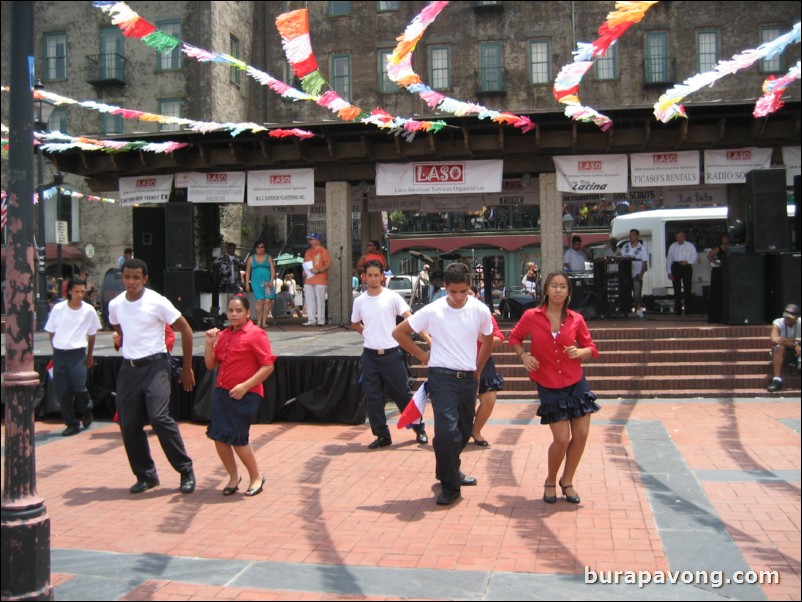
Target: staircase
(656,358)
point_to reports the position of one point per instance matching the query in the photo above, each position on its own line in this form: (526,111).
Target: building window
(386,85)
(384,7)
(111,124)
(111,54)
(234,53)
(492,79)
(341,71)
(55,56)
(706,50)
(657,67)
(169,60)
(440,68)
(607,66)
(539,62)
(339,9)
(170,107)
(58,121)
(773,65)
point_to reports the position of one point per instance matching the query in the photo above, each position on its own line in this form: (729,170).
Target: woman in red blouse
(560,341)
(243,354)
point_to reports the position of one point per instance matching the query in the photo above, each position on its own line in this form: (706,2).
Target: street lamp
(568,222)
(43,111)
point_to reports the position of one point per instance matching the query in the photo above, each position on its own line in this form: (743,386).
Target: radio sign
(281,179)
(590,166)
(439,173)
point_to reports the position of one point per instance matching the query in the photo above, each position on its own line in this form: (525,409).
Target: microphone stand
(340,324)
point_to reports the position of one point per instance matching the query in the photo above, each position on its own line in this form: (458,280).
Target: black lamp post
(43,110)
(25,527)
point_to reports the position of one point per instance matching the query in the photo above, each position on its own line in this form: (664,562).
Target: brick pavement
(337,521)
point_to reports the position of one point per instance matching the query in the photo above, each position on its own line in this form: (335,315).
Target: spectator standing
(574,258)
(680,259)
(636,249)
(318,263)
(229,269)
(259,273)
(716,256)
(128,253)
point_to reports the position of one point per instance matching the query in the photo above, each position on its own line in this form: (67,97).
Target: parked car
(404,286)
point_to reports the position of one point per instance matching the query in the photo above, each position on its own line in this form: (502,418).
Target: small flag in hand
(413,413)
(50,369)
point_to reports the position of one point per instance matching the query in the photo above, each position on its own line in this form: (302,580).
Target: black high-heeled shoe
(571,499)
(232,490)
(550,499)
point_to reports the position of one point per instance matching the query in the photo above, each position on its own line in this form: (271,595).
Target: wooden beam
(433,145)
(331,147)
(367,147)
(574,135)
(647,134)
(265,151)
(239,154)
(501,139)
(682,135)
(299,148)
(466,141)
(610,138)
(203,151)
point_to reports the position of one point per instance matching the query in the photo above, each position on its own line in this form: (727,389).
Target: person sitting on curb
(784,344)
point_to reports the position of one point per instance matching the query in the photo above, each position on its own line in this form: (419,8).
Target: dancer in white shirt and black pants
(374,315)
(454,323)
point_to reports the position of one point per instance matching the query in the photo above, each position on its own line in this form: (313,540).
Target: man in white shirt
(143,385)
(785,342)
(574,258)
(454,323)
(640,263)
(680,259)
(383,368)
(72,325)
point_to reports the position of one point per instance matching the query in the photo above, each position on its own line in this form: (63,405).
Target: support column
(338,243)
(551,224)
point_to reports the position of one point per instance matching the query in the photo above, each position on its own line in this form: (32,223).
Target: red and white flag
(50,369)
(413,413)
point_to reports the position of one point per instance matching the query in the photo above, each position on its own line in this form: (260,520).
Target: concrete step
(667,344)
(786,392)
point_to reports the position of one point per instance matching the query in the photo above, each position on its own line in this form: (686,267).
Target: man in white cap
(317,263)
(784,344)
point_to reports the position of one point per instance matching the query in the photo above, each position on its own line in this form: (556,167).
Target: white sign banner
(216,187)
(791,161)
(439,177)
(698,196)
(592,173)
(664,169)
(145,189)
(731,166)
(281,187)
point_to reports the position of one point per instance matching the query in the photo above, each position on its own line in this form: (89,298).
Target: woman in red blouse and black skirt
(560,341)
(242,352)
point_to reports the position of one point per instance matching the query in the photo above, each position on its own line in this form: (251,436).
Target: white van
(704,226)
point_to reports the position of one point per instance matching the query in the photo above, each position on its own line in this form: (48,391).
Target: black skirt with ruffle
(490,379)
(231,418)
(569,402)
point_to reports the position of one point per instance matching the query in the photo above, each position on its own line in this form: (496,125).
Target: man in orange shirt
(317,263)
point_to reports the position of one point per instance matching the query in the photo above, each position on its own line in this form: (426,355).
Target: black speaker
(149,243)
(782,283)
(767,225)
(742,296)
(797,242)
(180,238)
(518,304)
(180,289)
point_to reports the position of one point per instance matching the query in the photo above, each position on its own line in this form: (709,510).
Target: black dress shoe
(87,418)
(467,480)
(142,486)
(72,429)
(380,442)
(447,497)
(256,490)
(188,482)
(421,436)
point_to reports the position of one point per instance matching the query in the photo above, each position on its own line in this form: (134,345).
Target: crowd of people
(458,331)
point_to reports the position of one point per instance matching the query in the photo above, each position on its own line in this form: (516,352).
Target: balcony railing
(107,69)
